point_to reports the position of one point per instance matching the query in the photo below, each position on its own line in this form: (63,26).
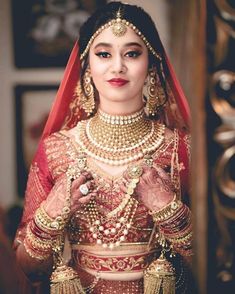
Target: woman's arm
(160,194)
(46,211)
(39,186)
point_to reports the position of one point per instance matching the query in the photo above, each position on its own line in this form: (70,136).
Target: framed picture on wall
(44,31)
(32,106)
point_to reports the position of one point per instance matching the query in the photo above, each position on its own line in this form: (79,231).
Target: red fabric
(114,263)
(39,185)
(64,95)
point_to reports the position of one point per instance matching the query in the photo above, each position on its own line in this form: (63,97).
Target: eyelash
(103,54)
(131,54)
(134,54)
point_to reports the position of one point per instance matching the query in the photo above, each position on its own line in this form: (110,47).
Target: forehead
(107,36)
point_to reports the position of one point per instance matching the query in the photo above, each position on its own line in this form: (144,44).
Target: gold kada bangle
(167,211)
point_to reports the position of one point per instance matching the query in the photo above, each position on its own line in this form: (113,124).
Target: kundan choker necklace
(119,140)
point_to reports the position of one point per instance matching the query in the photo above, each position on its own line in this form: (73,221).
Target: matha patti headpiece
(119,27)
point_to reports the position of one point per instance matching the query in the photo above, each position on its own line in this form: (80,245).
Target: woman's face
(119,67)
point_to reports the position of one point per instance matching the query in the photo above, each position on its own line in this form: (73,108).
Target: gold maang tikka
(118,27)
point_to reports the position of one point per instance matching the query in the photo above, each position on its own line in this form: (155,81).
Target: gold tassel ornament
(159,277)
(65,280)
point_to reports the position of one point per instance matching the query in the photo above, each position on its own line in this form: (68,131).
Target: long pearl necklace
(119,140)
(111,230)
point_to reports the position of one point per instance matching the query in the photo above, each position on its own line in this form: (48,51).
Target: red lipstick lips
(117,82)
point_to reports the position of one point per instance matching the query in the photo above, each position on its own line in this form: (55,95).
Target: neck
(112,108)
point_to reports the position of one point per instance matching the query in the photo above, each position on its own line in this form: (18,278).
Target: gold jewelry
(87,99)
(119,140)
(65,279)
(166,212)
(48,224)
(111,229)
(155,93)
(121,119)
(119,26)
(36,247)
(159,277)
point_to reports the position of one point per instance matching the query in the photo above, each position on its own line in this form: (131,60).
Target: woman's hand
(55,201)
(154,189)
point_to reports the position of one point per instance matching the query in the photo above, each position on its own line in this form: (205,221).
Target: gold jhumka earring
(155,93)
(86,94)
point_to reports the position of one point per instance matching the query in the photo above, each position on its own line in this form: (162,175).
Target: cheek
(141,75)
(97,73)
(141,71)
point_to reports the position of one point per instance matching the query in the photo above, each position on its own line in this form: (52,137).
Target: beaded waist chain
(124,263)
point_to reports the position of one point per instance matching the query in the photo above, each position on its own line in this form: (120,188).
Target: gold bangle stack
(43,230)
(40,234)
(37,248)
(48,224)
(175,224)
(167,211)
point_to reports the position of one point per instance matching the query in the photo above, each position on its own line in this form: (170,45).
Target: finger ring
(84,189)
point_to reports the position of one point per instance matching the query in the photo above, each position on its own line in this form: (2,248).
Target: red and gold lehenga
(115,262)
(54,156)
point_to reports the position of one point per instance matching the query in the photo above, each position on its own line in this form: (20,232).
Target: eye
(103,54)
(133,54)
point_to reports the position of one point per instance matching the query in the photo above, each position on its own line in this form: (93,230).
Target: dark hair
(135,15)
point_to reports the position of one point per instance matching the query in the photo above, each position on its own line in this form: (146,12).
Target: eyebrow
(103,44)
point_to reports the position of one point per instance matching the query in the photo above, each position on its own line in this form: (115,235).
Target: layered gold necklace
(119,140)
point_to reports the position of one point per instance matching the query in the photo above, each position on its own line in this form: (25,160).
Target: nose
(118,64)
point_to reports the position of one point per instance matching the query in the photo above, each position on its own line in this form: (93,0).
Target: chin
(116,97)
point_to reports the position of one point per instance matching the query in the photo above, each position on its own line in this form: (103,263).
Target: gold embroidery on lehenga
(111,263)
(35,187)
(63,150)
(60,154)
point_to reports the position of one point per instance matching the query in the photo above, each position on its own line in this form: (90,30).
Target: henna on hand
(55,201)
(155,189)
